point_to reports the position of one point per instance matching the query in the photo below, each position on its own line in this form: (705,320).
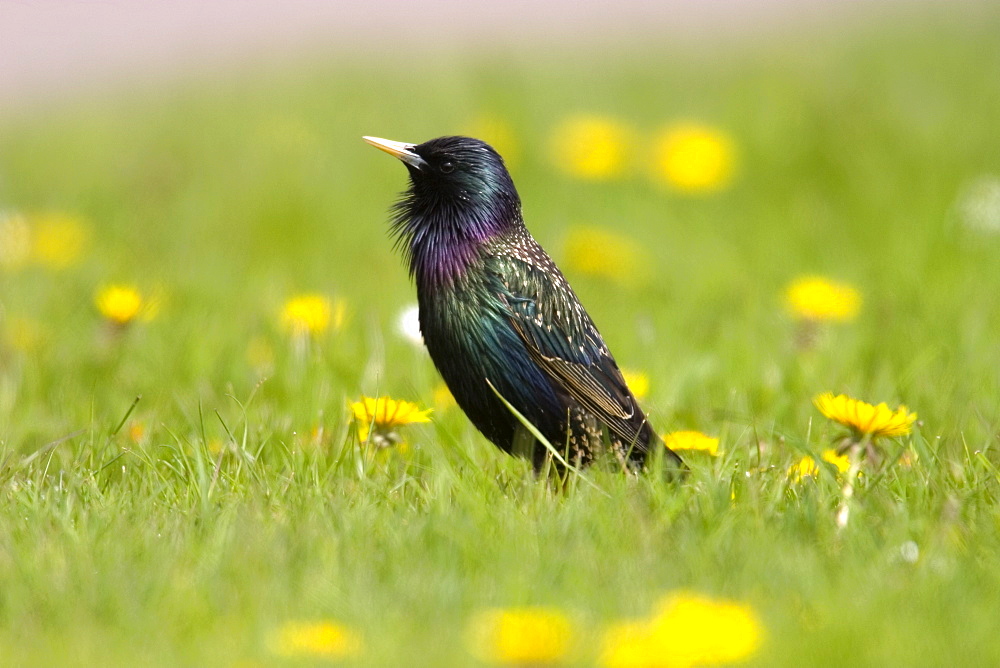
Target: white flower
(408,325)
(909,552)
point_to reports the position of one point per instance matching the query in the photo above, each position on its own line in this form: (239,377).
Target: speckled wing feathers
(559,334)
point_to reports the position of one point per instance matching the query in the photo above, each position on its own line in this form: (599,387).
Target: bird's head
(460,196)
(452,170)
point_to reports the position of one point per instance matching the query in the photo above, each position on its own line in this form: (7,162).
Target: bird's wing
(562,339)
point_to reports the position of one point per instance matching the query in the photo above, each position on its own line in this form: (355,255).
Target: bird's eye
(447,167)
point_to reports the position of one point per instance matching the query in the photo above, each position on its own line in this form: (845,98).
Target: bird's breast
(471,340)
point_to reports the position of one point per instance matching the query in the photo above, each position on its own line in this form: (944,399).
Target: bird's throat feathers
(442,235)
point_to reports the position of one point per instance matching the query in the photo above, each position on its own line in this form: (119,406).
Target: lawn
(188,488)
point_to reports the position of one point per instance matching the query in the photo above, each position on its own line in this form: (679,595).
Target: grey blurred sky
(49,48)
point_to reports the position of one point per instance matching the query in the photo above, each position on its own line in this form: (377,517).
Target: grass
(245,502)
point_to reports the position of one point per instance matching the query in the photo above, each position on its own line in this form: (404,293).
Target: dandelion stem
(847,492)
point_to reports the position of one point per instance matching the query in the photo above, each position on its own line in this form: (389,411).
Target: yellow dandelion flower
(383,415)
(312,314)
(598,252)
(818,298)
(59,239)
(691,440)
(686,630)
(521,636)
(591,147)
(498,133)
(841,462)
(323,639)
(694,158)
(865,419)
(807,466)
(803,468)
(122,304)
(15,241)
(707,631)
(637,381)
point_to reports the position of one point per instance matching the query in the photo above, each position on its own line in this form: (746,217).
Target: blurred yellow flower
(15,241)
(121,304)
(706,630)
(137,432)
(803,468)
(865,419)
(637,381)
(215,446)
(591,147)
(818,298)
(498,133)
(693,157)
(521,636)
(686,630)
(312,314)
(598,252)
(691,440)
(842,462)
(59,239)
(807,466)
(382,416)
(318,640)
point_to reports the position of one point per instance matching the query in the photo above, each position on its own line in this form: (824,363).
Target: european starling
(498,317)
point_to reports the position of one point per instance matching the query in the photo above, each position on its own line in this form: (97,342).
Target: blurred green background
(234,495)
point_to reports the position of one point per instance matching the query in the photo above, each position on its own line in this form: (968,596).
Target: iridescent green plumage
(498,316)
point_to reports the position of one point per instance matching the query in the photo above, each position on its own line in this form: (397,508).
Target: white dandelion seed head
(909,552)
(408,325)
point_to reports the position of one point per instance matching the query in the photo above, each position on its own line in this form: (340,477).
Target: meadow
(181,476)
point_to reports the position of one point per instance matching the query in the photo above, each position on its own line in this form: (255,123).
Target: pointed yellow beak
(399,149)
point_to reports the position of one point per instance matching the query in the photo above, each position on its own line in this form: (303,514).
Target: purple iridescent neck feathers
(460,197)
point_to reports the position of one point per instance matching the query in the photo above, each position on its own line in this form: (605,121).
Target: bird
(499,319)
